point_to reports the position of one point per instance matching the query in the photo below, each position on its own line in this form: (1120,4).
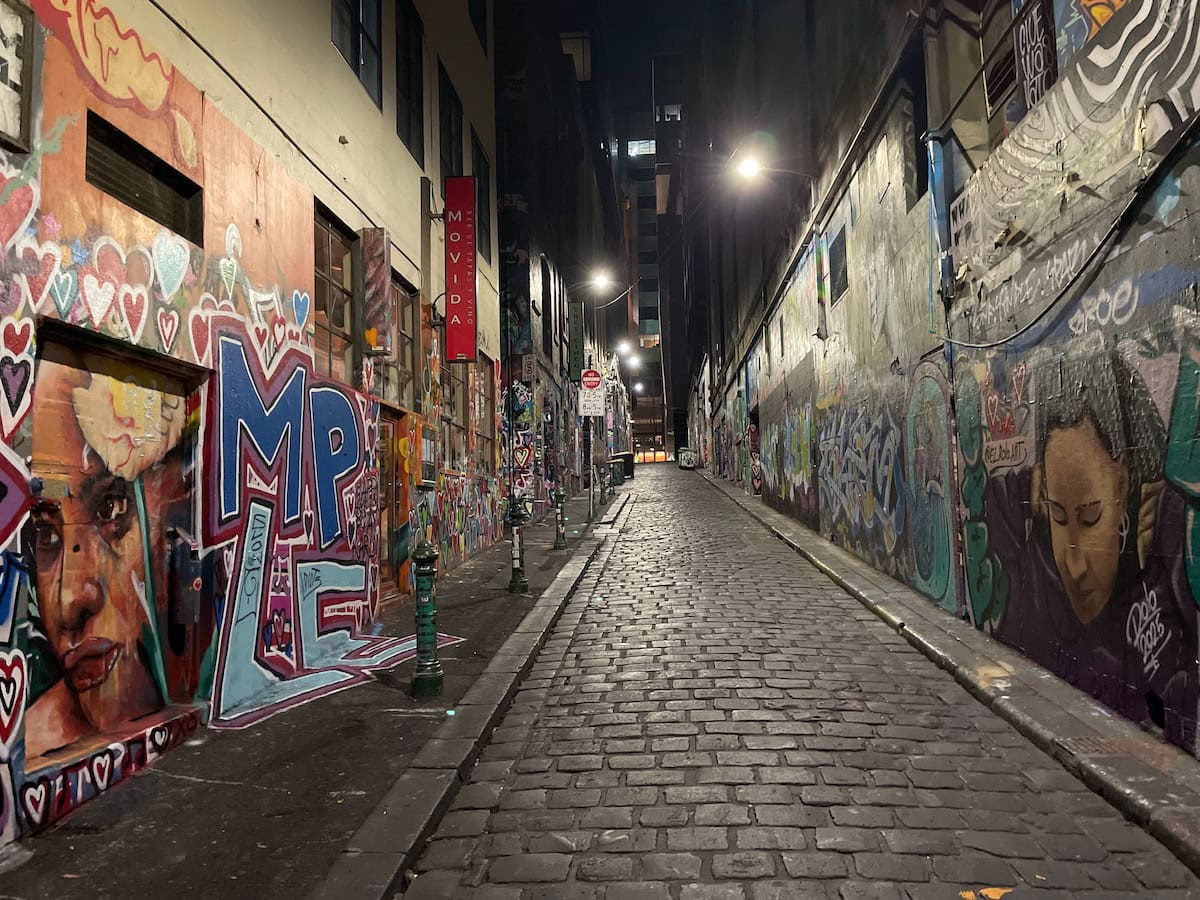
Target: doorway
(110,446)
(393,517)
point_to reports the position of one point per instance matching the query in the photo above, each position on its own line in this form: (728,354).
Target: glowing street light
(601,280)
(633,362)
(623,348)
(637,388)
(749,168)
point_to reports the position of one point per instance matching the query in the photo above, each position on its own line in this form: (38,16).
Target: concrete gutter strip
(1151,782)
(373,864)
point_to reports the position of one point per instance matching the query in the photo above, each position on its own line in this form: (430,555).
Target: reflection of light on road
(993,675)
(992,893)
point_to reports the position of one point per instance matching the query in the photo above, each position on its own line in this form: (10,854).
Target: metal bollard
(518,584)
(560,519)
(427,679)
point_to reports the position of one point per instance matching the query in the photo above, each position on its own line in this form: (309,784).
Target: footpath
(269,811)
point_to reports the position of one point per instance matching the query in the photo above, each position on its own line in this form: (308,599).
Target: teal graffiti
(987,582)
(1183,450)
(927,460)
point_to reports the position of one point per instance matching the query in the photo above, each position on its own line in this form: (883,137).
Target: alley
(714,720)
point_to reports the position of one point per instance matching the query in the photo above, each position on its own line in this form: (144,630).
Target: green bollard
(560,516)
(427,679)
(518,584)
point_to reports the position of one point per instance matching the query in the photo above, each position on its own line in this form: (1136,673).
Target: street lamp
(749,168)
(601,280)
(623,348)
(637,388)
(633,362)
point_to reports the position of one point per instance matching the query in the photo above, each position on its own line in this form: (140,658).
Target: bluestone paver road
(713,719)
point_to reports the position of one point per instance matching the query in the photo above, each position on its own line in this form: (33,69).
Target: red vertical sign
(460,268)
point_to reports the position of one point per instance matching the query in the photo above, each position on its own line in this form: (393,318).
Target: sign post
(591,403)
(591,393)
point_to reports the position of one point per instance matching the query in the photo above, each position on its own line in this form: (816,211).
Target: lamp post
(599,281)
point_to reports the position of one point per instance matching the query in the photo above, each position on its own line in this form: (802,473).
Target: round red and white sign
(591,379)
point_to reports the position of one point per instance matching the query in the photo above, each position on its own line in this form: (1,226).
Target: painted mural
(190,510)
(1044,486)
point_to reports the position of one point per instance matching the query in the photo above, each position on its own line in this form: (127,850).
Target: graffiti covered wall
(1077,433)
(1042,485)
(190,505)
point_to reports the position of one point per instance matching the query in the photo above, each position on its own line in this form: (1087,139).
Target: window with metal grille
(995,60)
(122,168)
(410,80)
(357,27)
(450,114)
(333,319)
(1000,75)
(482,170)
(485,415)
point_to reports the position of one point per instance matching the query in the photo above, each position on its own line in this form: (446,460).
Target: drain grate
(1098,746)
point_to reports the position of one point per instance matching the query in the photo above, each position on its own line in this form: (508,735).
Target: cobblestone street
(713,719)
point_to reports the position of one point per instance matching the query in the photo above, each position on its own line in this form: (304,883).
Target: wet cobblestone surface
(713,719)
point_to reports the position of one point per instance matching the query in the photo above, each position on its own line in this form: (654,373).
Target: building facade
(969,354)
(227,409)
(558,224)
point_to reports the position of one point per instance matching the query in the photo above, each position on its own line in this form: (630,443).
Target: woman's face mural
(1084,495)
(100,441)
(1102,448)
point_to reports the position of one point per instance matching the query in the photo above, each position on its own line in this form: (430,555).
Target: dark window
(406,308)
(647,257)
(641,174)
(356,33)
(410,81)
(839,275)
(123,168)
(454,413)
(547,311)
(485,415)
(648,284)
(647,229)
(647,313)
(647,201)
(482,170)
(450,146)
(477,11)
(333,351)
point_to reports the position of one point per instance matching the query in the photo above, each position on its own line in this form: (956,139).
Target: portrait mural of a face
(105,441)
(1105,600)
(1102,453)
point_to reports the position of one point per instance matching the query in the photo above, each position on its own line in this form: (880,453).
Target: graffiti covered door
(108,442)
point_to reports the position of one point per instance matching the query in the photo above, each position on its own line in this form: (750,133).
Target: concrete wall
(1041,485)
(315,99)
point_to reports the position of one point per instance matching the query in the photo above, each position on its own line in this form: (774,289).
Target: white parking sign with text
(591,393)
